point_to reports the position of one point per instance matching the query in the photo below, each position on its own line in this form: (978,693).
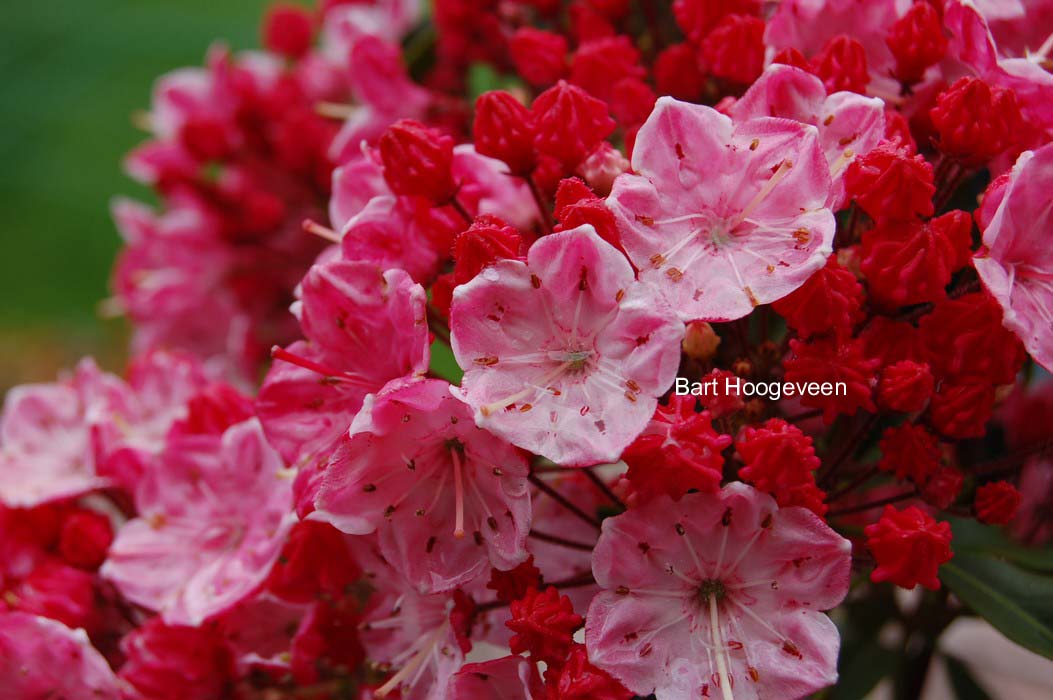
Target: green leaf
(973,537)
(966,687)
(1017,602)
(443,363)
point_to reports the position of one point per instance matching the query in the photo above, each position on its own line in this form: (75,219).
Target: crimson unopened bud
(288,30)
(889,184)
(677,73)
(570,124)
(486,241)
(504,129)
(997,503)
(975,122)
(916,40)
(576,205)
(85,539)
(791,56)
(842,65)
(418,161)
(905,386)
(539,56)
(700,341)
(734,49)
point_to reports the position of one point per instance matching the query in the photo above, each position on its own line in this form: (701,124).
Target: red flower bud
(677,73)
(288,30)
(734,49)
(916,40)
(830,301)
(909,451)
(997,503)
(943,487)
(570,124)
(697,17)
(504,129)
(417,161)
(842,65)
(600,64)
(85,539)
(909,547)
(975,122)
(890,184)
(543,623)
(905,386)
(791,56)
(485,242)
(540,56)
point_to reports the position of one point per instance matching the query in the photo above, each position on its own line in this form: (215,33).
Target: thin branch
(604,488)
(561,499)
(872,504)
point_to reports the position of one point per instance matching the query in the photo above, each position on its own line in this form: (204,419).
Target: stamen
(419,658)
(494,407)
(458,527)
(758,199)
(335,110)
(321,231)
(841,162)
(280,353)
(722,666)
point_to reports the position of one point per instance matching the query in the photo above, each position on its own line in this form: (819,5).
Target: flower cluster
(464,473)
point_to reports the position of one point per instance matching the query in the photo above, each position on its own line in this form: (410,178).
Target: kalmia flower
(447,499)
(543,343)
(213,516)
(508,678)
(909,547)
(780,460)
(716,253)
(997,503)
(905,386)
(363,328)
(42,658)
(715,590)
(1014,263)
(678,451)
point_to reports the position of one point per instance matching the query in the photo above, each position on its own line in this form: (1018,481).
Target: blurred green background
(71,74)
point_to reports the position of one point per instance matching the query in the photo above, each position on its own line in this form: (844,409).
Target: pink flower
(46,447)
(41,659)
(214,514)
(418,637)
(447,499)
(565,354)
(849,124)
(1016,262)
(724,216)
(507,678)
(718,591)
(363,328)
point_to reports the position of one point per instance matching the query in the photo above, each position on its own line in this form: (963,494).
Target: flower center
(711,588)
